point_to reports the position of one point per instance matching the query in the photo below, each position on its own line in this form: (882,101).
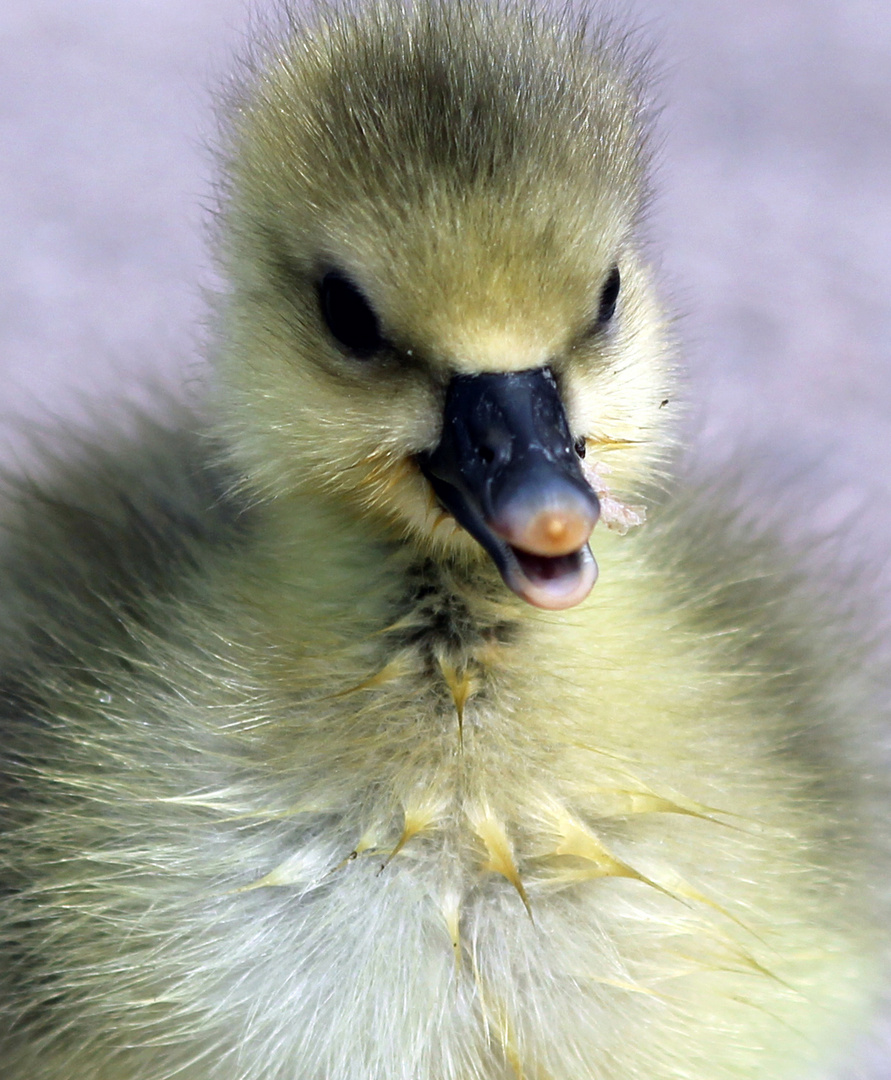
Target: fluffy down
(296,784)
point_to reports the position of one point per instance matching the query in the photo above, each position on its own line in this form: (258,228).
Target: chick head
(433,203)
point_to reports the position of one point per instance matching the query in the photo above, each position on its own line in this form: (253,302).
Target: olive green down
(322,754)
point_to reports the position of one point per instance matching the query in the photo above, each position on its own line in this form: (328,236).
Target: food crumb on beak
(617,516)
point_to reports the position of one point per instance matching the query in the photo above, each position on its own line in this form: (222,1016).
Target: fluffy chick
(318,759)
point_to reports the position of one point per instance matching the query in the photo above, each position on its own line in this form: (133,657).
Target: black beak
(507,469)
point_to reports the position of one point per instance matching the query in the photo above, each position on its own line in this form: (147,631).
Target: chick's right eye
(349,317)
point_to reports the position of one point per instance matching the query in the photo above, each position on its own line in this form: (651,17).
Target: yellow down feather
(294,788)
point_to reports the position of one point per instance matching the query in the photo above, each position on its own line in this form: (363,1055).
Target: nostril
(581,446)
(493,446)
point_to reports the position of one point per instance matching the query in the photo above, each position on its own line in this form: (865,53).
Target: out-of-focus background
(772,224)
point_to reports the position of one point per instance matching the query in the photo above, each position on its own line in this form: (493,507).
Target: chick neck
(382,597)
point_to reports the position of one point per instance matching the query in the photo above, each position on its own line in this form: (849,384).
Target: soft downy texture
(295,786)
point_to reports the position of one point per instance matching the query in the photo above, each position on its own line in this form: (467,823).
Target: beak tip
(548,531)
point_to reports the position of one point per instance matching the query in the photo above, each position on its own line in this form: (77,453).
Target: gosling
(323,756)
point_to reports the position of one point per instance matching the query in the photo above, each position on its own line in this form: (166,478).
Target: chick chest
(475,808)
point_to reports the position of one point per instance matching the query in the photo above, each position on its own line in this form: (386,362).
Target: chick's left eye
(348,315)
(609,296)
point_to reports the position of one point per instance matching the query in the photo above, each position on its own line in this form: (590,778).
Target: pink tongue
(545,568)
(553,582)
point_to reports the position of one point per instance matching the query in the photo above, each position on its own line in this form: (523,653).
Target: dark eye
(348,315)
(609,296)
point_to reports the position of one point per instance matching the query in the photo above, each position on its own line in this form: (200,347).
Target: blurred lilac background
(772,224)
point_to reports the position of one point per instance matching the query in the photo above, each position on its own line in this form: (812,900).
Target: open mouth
(550,581)
(553,582)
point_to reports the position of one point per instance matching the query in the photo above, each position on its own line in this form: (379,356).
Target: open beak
(507,470)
